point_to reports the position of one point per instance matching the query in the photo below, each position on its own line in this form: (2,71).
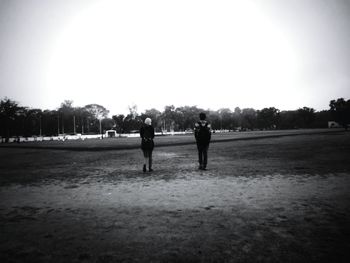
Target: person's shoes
(150,169)
(200,167)
(144,168)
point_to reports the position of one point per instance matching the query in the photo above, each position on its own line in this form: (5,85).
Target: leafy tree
(237,116)
(133,111)
(50,122)
(16,120)
(188,115)
(10,113)
(249,118)
(66,115)
(321,119)
(119,122)
(108,124)
(340,111)
(96,113)
(215,120)
(227,121)
(132,121)
(305,117)
(155,115)
(268,118)
(81,116)
(287,120)
(32,122)
(168,117)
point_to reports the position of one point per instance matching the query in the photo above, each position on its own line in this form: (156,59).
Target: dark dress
(202,143)
(147,144)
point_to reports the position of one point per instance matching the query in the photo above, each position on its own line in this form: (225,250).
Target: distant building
(111,134)
(333,124)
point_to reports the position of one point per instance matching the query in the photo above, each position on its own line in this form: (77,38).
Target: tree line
(17,120)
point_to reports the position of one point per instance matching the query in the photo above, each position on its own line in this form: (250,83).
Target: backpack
(203,133)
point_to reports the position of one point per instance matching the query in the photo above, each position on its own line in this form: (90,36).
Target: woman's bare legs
(145,163)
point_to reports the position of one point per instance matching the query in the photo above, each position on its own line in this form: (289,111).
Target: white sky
(213,54)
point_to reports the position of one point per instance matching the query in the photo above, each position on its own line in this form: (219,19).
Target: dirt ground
(281,199)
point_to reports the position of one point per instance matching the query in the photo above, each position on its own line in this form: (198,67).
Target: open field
(134,142)
(272,199)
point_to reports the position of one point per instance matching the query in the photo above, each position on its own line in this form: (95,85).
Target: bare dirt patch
(269,200)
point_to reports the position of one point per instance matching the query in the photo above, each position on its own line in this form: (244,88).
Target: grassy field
(272,199)
(134,142)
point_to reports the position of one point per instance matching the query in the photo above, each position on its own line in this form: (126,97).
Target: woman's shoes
(144,169)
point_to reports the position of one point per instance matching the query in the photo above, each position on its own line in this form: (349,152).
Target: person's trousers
(202,154)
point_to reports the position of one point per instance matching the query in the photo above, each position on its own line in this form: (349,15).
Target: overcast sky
(213,54)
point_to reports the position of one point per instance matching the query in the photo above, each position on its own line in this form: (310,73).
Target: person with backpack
(147,144)
(202,133)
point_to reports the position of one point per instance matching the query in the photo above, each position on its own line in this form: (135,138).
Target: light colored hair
(148,121)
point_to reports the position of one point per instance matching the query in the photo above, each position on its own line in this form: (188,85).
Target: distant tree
(19,125)
(187,116)
(155,115)
(107,124)
(132,121)
(249,118)
(133,111)
(96,114)
(97,111)
(179,119)
(321,119)
(227,121)
(305,117)
(66,115)
(237,116)
(237,110)
(67,104)
(215,120)
(119,122)
(32,122)
(50,122)
(268,118)
(81,117)
(131,124)
(10,113)
(168,117)
(16,120)
(287,120)
(340,111)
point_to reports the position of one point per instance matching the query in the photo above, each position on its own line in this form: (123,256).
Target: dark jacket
(202,138)
(147,135)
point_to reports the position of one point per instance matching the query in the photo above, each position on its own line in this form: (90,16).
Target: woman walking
(147,144)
